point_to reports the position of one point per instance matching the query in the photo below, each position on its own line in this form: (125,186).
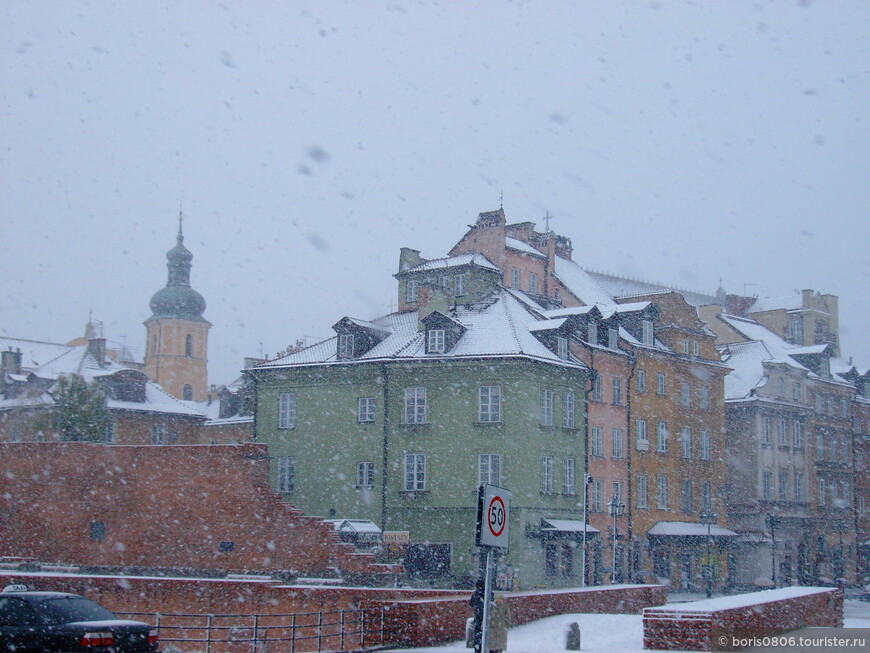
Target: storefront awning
(565,526)
(688,529)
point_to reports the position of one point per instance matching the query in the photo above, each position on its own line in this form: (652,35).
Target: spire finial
(180,218)
(501,200)
(547,218)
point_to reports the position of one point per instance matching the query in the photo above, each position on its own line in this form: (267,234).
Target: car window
(16,612)
(73,608)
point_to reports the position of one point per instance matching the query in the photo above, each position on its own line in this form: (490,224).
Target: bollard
(573,637)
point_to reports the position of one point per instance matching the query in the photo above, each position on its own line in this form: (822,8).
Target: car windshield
(73,608)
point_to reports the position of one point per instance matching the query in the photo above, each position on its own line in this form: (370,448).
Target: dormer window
(436,341)
(459,284)
(345,345)
(592,333)
(411,291)
(647,332)
(613,337)
(562,348)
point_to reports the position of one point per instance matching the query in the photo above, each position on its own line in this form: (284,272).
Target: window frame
(345,345)
(365,474)
(436,341)
(366,410)
(287,410)
(415,476)
(569,410)
(487,472)
(570,485)
(547,405)
(416,405)
(286,474)
(489,407)
(548,469)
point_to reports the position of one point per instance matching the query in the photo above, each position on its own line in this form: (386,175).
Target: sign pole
(487,599)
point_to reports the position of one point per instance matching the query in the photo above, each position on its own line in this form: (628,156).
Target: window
(570,476)
(345,345)
(415,406)
(618,444)
(366,409)
(822,490)
(662,492)
(782,479)
(415,472)
(365,474)
(287,410)
(686,394)
(547,474)
(796,330)
(158,434)
(459,284)
(188,345)
(546,408)
(111,432)
(596,496)
(616,486)
(662,437)
(705,397)
(592,333)
(706,496)
(596,446)
(515,278)
(765,430)
(489,469)
(686,441)
(642,435)
(780,387)
(641,380)
(687,500)
(844,407)
(533,283)
(820,446)
(796,394)
(643,491)
(436,341)
(660,383)
(782,435)
(647,337)
(767,486)
(617,392)
(706,445)
(562,348)
(411,291)
(596,388)
(286,474)
(489,404)
(613,338)
(569,421)
(187,392)
(820,403)
(696,348)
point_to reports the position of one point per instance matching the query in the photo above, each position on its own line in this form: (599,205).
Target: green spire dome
(178,300)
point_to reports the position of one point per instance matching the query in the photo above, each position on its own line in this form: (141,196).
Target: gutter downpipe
(629,522)
(386,446)
(586,390)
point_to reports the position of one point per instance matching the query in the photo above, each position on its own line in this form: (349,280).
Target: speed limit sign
(493,512)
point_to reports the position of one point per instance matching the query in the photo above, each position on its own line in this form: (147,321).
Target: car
(48,622)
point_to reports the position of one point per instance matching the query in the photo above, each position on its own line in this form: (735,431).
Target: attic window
(647,332)
(612,337)
(592,333)
(345,345)
(411,291)
(562,347)
(436,341)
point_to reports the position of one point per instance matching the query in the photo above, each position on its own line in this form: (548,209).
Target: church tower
(176,351)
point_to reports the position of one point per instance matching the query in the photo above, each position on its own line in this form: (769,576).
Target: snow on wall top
(791,301)
(455,261)
(525,248)
(617,286)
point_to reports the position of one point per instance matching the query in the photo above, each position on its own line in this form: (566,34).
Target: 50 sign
(493,514)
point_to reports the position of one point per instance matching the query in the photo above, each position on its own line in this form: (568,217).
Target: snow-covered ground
(604,633)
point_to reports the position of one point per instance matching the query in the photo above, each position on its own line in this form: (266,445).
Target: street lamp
(772,522)
(616,508)
(709,518)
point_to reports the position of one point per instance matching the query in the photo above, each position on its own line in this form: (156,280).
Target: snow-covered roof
(565,312)
(567,526)
(580,283)
(688,529)
(34,353)
(624,287)
(497,328)
(525,248)
(789,302)
(546,325)
(355,525)
(474,258)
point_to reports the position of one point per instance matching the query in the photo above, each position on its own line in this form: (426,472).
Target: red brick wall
(162,507)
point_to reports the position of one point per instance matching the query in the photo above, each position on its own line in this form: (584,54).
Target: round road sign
(496,516)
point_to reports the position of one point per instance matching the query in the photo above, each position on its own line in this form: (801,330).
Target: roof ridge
(652,283)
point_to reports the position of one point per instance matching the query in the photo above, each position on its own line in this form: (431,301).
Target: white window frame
(547,407)
(642,491)
(436,341)
(548,464)
(796,391)
(562,347)
(782,432)
(766,427)
(569,418)
(696,348)
(685,394)
(459,283)
(597,393)
(782,484)
(287,405)
(570,476)
(592,333)
(705,397)
(489,404)
(412,291)
(647,332)
(687,498)
(345,345)
(617,444)
(489,469)
(706,495)
(767,485)
(533,283)
(706,445)
(642,435)
(641,380)
(596,446)
(662,494)
(686,442)
(159,434)
(286,474)
(365,474)
(415,472)
(111,435)
(612,338)
(662,437)
(596,496)
(661,384)
(416,405)
(366,409)
(515,278)
(617,391)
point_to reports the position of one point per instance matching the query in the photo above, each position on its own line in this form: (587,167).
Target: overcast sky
(683,142)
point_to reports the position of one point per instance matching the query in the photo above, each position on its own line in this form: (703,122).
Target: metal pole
(585,523)
(709,562)
(613,571)
(487,597)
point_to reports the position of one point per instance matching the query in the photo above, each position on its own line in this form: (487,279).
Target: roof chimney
(10,363)
(97,349)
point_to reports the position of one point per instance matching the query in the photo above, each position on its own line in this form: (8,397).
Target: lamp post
(616,508)
(709,518)
(772,522)
(587,480)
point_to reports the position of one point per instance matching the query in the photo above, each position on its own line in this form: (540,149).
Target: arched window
(188,392)
(188,345)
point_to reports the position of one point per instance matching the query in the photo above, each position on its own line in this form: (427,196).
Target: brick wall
(161,507)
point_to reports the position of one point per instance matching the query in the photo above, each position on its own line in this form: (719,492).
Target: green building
(400,420)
